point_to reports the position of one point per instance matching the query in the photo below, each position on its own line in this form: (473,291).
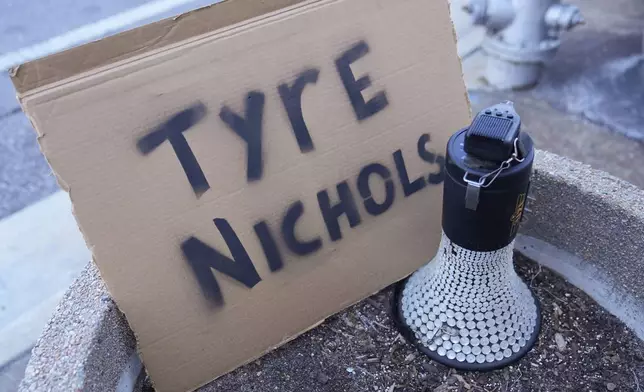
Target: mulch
(581,347)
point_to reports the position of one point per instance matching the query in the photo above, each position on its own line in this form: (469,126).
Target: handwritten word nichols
(248,126)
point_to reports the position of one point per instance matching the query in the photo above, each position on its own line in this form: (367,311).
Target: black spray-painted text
(341,208)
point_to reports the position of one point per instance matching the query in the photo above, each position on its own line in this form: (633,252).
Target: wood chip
(372,302)
(348,322)
(463,382)
(561,341)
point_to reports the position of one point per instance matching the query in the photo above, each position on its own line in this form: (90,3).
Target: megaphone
(467,308)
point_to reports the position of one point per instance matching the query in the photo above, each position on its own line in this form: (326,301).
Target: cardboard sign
(239,185)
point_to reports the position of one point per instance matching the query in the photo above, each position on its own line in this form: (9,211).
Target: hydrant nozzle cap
(563,16)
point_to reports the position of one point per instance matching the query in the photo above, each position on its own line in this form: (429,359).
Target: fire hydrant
(522,36)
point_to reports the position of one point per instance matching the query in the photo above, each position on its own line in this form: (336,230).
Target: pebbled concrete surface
(587,277)
(592,215)
(85,345)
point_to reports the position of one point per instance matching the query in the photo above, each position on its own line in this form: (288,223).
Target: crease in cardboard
(151,45)
(132,57)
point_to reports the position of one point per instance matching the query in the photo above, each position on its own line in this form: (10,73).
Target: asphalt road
(24,175)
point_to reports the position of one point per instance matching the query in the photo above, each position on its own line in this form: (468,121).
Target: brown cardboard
(130,43)
(136,207)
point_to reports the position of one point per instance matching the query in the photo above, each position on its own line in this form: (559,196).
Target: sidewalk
(41,253)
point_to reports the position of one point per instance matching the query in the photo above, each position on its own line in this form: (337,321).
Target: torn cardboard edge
(125,45)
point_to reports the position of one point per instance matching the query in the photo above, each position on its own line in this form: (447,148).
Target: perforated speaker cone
(468,310)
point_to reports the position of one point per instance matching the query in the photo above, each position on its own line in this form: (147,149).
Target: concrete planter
(585,224)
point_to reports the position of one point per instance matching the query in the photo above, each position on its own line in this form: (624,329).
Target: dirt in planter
(581,348)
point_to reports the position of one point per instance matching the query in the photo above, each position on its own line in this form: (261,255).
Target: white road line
(90,32)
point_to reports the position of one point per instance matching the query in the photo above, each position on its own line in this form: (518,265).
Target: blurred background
(575,72)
